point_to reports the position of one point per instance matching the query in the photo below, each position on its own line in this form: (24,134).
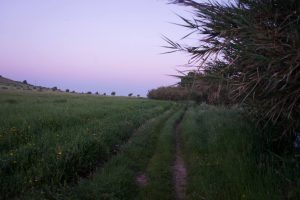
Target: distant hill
(4,80)
(9,84)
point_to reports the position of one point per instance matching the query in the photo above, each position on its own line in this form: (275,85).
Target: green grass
(69,146)
(159,170)
(225,159)
(48,140)
(116,180)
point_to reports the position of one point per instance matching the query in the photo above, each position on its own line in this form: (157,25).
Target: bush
(169,93)
(258,46)
(97,93)
(25,82)
(89,92)
(113,93)
(67,90)
(54,88)
(130,94)
(104,94)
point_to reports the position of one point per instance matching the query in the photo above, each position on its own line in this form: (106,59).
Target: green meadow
(73,146)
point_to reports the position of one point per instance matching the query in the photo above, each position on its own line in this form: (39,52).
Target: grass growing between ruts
(224,159)
(117,178)
(159,170)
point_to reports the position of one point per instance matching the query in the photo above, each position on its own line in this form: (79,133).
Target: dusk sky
(90,45)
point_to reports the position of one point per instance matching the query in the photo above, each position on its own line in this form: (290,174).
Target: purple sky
(89,45)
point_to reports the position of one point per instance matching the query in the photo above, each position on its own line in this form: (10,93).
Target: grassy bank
(225,159)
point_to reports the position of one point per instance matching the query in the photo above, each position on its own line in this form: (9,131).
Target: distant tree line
(194,86)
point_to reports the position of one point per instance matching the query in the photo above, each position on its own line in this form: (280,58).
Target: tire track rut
(179,168)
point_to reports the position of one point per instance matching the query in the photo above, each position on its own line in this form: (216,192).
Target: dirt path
(179,170)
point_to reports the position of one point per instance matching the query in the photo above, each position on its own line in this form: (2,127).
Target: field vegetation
(231,131)
(49,140)
(226,158)
(67,146)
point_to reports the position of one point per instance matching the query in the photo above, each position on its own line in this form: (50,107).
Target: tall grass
(226,160)
(52,140)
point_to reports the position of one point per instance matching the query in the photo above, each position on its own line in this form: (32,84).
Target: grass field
(70,146)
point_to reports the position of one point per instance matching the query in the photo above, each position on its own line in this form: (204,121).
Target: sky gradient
(90,45)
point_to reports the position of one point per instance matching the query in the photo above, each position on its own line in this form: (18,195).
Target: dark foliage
(194,86)
(254,47)
(169,93)
(54,89)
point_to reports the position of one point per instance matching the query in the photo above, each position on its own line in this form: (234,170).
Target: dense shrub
(113,93)
(130,94)
(54,88)
(194,86)
(67,90)
(254,46)
(169,93)
(25,82)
